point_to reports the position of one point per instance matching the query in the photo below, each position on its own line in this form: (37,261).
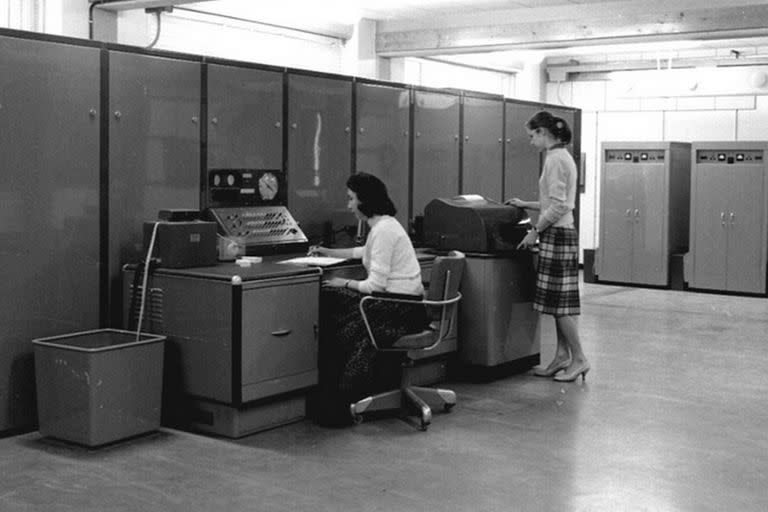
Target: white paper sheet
(313,261)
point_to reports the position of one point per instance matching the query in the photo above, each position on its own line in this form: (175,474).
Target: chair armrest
(410,299)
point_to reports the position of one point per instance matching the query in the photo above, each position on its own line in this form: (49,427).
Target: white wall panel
(694,103)
(735,102)
(559,93)
(753,124)
(630,126)
(589,95)
(589,209)
(692,126)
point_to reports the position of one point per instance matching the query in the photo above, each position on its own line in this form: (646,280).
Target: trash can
(99,386)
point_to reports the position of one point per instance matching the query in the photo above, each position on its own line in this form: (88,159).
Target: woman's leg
(568,326)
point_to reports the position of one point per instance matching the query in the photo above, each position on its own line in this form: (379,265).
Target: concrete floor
(673,417)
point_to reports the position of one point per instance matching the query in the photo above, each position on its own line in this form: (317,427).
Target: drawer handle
(281,332)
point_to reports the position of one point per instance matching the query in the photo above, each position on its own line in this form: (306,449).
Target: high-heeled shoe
(572,375)
(551,370)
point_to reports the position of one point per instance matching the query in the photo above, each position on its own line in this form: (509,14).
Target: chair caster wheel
(424,426)
(357,419)
(448,407)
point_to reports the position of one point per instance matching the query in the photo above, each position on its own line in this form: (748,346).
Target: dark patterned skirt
(350,366)
(557,272)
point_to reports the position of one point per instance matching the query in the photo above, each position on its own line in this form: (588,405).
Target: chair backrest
(445,280)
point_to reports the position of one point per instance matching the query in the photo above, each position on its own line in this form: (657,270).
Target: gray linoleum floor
(673,417)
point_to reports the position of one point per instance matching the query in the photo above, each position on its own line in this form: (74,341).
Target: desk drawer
(279,324)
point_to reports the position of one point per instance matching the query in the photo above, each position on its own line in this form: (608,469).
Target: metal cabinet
(49,193)
(435,147)
(729,205)
(245,118)
(239,341)
(482,154)
(382,139)
(154,151)
(498,328)
(522,163)
(319,150)
(644,211)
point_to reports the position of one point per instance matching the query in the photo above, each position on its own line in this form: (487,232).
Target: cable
(145,278)
(157,32)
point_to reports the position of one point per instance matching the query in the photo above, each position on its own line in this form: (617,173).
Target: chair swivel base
(414,397)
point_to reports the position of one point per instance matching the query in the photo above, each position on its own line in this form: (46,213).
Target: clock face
(268,186)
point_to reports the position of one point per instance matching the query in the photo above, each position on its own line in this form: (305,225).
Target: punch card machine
(242,341)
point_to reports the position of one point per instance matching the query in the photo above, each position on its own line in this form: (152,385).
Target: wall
(669,104)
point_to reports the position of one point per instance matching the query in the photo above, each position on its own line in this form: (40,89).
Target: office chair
(441,301)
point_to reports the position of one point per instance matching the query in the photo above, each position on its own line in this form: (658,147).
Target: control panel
(245,187)
(634,156)
(729,156)
(261,229)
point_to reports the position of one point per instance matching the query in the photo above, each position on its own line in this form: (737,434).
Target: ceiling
(501,28)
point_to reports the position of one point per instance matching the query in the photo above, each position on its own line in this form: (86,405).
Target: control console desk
(242,342)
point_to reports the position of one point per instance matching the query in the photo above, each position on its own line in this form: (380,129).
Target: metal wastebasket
(96,387)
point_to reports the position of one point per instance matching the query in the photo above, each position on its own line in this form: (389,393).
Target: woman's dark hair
(371,194)
(555,125)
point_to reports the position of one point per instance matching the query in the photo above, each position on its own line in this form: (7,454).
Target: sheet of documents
(313,261)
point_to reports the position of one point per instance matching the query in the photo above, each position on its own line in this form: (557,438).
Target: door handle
(281,332)
(733,219)
(637,214)
(628,213)
(722,218)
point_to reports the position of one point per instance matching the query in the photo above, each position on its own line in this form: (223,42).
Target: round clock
(268,186)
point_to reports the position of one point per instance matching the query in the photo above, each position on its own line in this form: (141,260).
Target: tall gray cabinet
(729,217)
(435,147)
(644,210)
(482,151)
(319,150)
(382,113)
(522,163)
(244,118)
(49,207)
(154,151)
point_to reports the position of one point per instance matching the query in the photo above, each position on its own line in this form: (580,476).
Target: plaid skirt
(557,272)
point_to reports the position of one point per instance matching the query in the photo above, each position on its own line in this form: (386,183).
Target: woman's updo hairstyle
(554,125)
(371,194)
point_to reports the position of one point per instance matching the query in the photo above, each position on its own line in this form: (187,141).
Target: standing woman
(557,272)
(350,367)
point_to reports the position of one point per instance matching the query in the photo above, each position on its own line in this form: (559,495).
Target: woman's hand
(515,201)
(317,250)
(529,240)
(335,282)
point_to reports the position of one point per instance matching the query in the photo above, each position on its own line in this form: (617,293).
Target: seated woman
(350,368)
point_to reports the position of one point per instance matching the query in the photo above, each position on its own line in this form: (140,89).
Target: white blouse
(390,259)
(557,188)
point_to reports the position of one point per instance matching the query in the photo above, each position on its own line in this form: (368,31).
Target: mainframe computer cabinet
(644,210)
(729,201)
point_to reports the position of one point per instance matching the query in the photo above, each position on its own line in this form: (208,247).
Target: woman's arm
(319,250)
(528,205)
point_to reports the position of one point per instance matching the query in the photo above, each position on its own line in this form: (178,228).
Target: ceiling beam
(611,27)
(125,5)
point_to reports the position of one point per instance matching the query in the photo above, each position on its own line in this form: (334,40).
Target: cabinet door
(382,139)
(649,230)
(522,162)
(710,227)
(49,207)
(245,113)
(319,150)
(746,229)
(482,154)
(616,223)
(279,325)
(435,148)
(154,150)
